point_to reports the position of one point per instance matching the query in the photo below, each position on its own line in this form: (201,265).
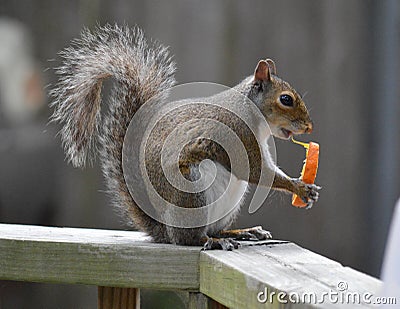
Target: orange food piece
(310,168)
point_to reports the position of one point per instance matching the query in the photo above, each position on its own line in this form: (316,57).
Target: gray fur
(142,71)
(109,51)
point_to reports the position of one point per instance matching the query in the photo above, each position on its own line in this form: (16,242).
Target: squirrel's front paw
(307,192)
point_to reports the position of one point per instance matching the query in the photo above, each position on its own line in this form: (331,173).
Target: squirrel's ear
(262,71)
(271,65)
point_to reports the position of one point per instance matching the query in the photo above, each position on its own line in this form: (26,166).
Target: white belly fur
(235,188)
(226,205)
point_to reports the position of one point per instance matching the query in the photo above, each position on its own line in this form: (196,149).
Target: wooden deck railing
(270,274)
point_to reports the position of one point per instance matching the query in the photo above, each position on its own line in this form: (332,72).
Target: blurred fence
(343,54)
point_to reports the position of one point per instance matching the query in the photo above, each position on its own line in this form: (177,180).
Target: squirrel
(142,70)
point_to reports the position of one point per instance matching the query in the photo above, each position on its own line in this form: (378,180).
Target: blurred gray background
(343,54)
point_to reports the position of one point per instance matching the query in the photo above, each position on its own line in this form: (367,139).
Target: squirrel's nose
(309,128)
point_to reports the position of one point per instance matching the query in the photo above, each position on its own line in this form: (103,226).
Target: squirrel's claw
(261,234)
(220,244)
(309,205)
(252,233)
(255,234)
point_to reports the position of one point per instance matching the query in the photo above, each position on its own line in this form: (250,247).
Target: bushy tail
(140,71)
(110,51)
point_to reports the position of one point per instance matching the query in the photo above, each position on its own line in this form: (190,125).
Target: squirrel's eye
(286,100)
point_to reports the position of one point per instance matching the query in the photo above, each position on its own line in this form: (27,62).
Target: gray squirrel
(141,71)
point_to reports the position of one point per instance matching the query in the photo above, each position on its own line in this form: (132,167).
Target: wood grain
(235,278)
(123,259)
(95,257)
(118,298)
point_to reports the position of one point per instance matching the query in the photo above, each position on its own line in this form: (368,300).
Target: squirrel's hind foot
(228,239)
(214,243)
(252,233)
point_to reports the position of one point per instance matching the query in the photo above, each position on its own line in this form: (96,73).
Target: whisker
(303,95)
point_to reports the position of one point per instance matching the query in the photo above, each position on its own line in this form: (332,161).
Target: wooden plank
(118,298)
(195,300)
(95,257)
(235,279)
